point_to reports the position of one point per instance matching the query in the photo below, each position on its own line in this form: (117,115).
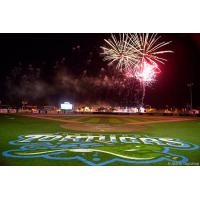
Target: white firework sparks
(146,72)
(138,55)
(149,47)
(120,51)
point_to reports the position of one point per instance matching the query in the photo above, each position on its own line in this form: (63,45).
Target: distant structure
(66,107)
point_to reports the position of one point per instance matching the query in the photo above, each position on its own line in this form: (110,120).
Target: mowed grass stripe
(89,119)
(115,120)
(93,120)
(66,117)
(134,119)
(104,120)
(141,119)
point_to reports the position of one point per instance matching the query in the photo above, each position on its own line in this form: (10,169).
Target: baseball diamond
(99,140)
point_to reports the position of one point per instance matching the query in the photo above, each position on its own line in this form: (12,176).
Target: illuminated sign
(66,106)
(103,149)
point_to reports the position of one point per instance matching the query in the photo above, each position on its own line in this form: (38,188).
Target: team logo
(100,149)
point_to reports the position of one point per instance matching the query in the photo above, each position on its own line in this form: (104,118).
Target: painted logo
(100,149)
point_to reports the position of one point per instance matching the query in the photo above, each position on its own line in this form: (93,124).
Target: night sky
(51,68)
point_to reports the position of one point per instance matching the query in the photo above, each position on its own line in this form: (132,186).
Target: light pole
(190,88)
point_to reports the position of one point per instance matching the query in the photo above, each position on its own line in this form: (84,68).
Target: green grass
(115,120)
(89,119)
(66,117)
(93,120)
(12,126)
(107,119)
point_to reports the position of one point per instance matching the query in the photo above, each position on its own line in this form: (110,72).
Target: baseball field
(99,140)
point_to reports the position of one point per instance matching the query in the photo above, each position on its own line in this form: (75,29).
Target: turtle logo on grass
(100,149)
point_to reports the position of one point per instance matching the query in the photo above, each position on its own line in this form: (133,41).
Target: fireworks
(120,51)
(128,50)
(146,72)
(148,46)
(137,54)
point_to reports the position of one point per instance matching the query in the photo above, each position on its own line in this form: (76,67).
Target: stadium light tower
(190,88)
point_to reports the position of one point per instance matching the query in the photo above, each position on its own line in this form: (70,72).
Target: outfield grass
(66,117)
(105,119)
(12,126)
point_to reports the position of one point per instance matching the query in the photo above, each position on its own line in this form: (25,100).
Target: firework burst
(137,54)
(148,46)
(119,51)
(146,72)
